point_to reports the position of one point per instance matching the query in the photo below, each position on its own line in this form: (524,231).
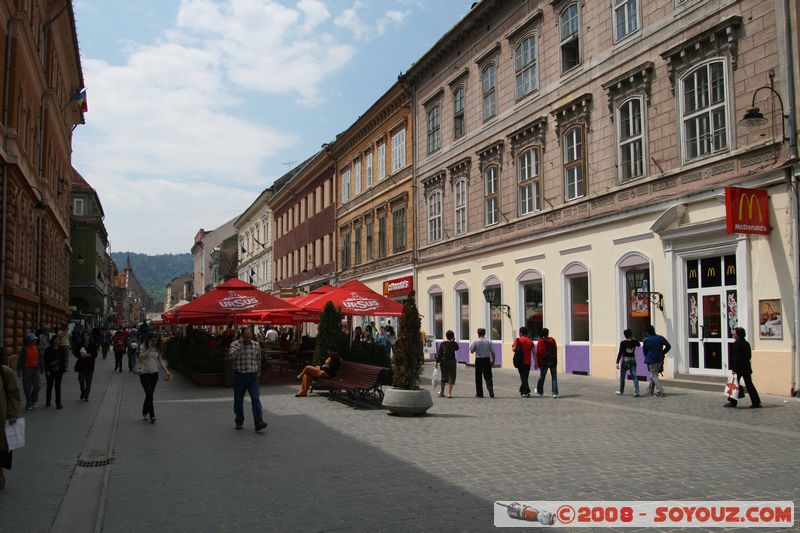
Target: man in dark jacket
(740,365)
(547,359)
(655,348)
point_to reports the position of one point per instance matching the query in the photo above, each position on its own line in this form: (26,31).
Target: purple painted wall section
(498,353)
(462,355)
(576,358)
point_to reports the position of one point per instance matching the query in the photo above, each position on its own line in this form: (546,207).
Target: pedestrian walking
(246,356)
(383,338)
(547,360)
(133,351)
(740,365)
(84,366)
(9,411)
(523,348)
(66,345)
(30,365)
(55,364)
(484,359)
(655,347)
(626,362)
(152,361)
(119,353)
(105,342)
(446,363)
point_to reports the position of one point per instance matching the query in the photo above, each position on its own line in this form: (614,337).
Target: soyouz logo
(747,211)
(359,303)
(235,302)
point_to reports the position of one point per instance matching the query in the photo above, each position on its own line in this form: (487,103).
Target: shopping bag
(15,434)
(436,377)
(732,387)
(138,368)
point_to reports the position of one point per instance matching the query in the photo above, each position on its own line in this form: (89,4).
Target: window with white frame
(368,164)
(346,185)
(434,130)
(578,298)
(460,202)
(398,150)
(357,174)
(357,244)
(494,292)
(77,207)
(381,160)
(630,124)
(528,181)
(525,67)
(437,313)
(489,91)
(626,18)
(435,216)
(459,125)
(368,231)
(462,304)
(570,37)
(574,164)
(704,110)
(532,296)
(490,192)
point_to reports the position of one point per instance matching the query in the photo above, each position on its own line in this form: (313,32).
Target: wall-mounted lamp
(637,279)
(753,117)
(492,298)
(81,259)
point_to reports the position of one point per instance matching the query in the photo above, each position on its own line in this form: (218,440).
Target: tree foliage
(329,333)
(407,359)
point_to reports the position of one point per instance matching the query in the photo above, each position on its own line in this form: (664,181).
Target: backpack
(550,355)
(517,355)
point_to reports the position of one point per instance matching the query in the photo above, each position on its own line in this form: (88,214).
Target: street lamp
(81,258)
(637,280)
(490,296)
(753,117)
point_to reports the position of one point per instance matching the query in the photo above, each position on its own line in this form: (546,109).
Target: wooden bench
(357,380)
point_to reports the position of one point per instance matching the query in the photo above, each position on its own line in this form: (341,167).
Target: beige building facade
(572,160)
(375,199)
(254,227)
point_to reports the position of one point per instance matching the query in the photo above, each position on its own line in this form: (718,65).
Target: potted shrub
(405,397)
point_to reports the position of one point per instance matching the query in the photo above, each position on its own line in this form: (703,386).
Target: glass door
(712,312)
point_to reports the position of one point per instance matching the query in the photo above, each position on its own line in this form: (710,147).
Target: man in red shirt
(523,344)
(29,365)
(547,359)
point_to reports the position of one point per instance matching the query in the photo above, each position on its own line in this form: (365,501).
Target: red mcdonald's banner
(397,286)
(747,210)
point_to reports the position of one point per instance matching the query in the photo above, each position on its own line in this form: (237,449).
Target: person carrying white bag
(9,411)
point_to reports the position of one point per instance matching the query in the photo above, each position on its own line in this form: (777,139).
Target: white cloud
(363,28)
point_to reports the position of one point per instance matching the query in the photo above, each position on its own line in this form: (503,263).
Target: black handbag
(517,355)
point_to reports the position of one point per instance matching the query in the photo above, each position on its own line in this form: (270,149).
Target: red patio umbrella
(355,298)
(233,301)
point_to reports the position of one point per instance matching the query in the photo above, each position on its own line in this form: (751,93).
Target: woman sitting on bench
(327,370)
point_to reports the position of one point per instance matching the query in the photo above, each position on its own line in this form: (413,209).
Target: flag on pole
(80,99)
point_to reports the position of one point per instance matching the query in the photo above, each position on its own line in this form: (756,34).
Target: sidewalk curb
(83,505)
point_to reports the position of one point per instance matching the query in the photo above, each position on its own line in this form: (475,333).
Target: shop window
(730,270)
(637,303)
(710,272)
(437,318)
(577,286)
(692,274)
(462,305)
(494,293)
(530,285)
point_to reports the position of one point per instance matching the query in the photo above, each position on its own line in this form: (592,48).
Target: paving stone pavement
(323,466)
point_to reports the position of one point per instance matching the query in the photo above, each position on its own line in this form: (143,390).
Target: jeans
(655,381)
(31,383)
(131,360)
(629,366)
(483,371)
(524,372)
(54,379)
(553,378)
(241,383)
(85,382)
(149,380)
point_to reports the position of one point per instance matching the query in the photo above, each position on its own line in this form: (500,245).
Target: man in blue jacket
(655,347)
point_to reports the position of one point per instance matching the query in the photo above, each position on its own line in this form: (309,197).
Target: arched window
(570,37)
(493,291)
(528,181)
(525,67)
(704,110)
(460,205)
(491,196)
(532,299)
(630,131)
(574,163)
(576,285)
(462,311)
(634,271)
(459,125)
(489,78)
(435,216)
(436,312)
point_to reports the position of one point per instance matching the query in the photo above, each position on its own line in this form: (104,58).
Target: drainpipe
(3,228)
(794,177)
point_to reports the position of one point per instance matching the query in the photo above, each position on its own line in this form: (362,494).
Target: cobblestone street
(322,466)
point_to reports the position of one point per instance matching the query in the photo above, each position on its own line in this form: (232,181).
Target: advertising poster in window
(640,305)
(770,319)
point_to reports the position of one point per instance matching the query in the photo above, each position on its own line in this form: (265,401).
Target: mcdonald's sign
(747,210)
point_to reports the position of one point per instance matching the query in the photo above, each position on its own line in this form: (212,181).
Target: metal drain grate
(94,464)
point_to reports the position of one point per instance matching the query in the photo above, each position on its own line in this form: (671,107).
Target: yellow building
(375,199)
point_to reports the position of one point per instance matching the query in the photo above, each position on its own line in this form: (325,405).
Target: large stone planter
(407,402)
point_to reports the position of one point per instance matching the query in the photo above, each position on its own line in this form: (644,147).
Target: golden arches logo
(752,201)
(693,274)
(711,272)
(730,271)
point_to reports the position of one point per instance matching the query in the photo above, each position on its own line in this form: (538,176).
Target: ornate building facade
(254,228)
(42,104)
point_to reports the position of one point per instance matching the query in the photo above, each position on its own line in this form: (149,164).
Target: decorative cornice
(435,98)
(635,81)
(458,78)
(577,110)
(460,169)
(532,132)
(527,24)
(488,54)
(433,182)
(720,38)
(492,154)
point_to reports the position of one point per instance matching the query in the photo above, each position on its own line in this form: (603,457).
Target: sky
(196,106)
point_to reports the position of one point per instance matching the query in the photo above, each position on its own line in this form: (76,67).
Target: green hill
(155,271)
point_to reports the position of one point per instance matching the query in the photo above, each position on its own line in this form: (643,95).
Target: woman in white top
(151,361)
